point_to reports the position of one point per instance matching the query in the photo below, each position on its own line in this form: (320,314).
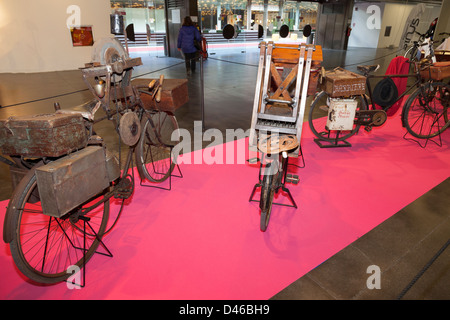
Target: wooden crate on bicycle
(287,75)
(174,94)
(42,135)
(438,71)
(286,55)
(343,83)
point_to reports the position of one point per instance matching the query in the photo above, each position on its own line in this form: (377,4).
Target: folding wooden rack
(287,74)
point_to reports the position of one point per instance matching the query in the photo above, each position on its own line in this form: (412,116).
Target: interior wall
(365,31)
(395,16)
(443,24)
(34,35)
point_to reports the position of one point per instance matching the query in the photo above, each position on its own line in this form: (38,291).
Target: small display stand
(334,144)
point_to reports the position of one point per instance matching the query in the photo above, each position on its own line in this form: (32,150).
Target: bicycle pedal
(292,178)
(368,128)
(124,189)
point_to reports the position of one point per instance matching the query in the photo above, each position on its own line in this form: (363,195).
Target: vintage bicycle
(59,210)
(287,75)
(424,114)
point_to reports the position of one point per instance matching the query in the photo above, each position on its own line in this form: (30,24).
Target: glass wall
(140,13)
(215,14)
(247,16)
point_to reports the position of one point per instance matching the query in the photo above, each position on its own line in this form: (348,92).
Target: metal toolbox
(70,181)
(42,135)
(343,83)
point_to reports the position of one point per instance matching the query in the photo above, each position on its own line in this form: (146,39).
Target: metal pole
(202,98)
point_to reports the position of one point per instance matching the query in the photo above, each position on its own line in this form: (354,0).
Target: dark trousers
(190,59)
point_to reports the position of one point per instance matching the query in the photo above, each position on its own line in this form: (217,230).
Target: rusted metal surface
(174,94)
(69,181)
(16,175)
(112,166)
(43,135)
(130,128)
(343,83)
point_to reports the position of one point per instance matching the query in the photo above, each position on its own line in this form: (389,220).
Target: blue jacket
(186,39)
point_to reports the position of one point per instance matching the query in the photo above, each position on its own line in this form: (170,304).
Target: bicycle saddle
(368,68)
(277,144)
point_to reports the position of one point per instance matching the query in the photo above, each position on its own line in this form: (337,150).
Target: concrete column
(297,16)
(219,21)
(265,17)
(281,8)
(249,14)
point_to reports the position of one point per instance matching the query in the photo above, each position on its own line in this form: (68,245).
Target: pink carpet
(202,239)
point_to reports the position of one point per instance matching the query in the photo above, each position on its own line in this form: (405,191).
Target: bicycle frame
(369,88)
(128,163)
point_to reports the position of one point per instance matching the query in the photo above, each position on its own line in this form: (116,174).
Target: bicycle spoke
(426,111)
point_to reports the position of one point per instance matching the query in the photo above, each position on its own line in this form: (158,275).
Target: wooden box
(314,77)
(343,83)
(174,94)
(438,71)
(42,135)
(70,181)
(284,56)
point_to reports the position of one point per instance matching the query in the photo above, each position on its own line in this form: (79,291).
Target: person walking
(188,33)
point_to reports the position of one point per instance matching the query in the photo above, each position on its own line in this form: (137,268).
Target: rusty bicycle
(67,178)
(336,115)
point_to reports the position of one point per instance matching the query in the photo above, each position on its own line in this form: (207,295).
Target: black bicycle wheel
(425,114)
(44,247)
(318,116)
(159,134)
(268,190)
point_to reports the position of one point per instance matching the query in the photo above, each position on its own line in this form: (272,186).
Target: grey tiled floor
(401,246)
